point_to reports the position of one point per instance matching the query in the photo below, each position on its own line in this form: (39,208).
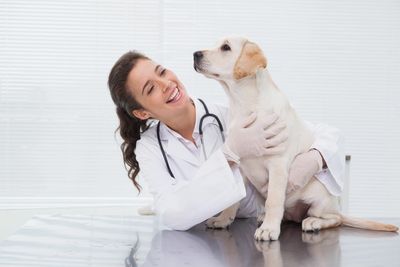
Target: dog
(240,66)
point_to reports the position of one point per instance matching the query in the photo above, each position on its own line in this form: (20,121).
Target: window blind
(337,61)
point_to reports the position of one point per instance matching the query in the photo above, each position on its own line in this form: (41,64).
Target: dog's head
(231,59)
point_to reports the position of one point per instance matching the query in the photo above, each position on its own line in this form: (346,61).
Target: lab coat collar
(171,139)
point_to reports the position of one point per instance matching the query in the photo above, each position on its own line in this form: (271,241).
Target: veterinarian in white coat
(204,183)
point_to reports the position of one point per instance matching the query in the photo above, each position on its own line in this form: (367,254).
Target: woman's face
(157,90)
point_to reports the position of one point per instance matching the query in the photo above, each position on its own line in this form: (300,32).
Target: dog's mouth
(199,69)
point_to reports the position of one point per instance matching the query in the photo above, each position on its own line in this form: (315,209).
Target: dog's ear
(250,59)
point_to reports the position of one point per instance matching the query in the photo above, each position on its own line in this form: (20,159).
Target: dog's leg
(274,205)
(225,218)
(323,212)
(261,202)
(314,224)
(260,218)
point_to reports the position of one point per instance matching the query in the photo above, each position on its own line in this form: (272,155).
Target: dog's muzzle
(197,57)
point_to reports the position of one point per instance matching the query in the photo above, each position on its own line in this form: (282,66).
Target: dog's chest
(299,140)
(256,171)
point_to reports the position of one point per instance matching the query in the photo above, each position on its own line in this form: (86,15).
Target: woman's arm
(329,141)
(183,204)
(325,160)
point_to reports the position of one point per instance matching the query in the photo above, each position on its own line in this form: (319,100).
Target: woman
(192,178)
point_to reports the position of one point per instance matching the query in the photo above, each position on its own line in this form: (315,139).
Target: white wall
(338,62)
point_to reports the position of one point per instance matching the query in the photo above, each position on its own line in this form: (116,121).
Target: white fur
(257,92)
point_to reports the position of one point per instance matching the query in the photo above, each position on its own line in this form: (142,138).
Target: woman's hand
(303,168)
(255,136)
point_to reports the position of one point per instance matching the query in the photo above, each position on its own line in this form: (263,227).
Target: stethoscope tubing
(208,114)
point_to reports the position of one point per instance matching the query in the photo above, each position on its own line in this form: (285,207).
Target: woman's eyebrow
(157,67)
(155,71)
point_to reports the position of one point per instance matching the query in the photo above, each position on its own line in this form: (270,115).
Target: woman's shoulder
(149,137)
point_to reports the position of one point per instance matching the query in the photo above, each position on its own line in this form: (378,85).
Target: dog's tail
(368,224)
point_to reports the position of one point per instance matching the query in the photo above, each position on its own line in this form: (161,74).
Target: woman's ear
(141,114)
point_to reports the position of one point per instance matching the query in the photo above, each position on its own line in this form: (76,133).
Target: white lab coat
(204,187)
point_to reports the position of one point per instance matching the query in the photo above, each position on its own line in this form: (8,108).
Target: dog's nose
(197,55)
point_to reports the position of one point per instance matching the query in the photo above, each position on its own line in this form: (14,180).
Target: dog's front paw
(268,231)
(219,222)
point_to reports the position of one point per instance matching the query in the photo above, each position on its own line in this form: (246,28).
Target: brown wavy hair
(129,127)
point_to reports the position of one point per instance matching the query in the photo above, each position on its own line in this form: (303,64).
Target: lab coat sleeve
(329,141)
(181,205)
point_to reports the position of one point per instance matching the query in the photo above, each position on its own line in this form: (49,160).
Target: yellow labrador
(240,67)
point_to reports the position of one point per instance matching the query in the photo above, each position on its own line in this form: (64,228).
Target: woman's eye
(225,47)
(151,89)
(163,72)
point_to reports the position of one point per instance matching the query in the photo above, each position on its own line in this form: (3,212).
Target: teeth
(173,95)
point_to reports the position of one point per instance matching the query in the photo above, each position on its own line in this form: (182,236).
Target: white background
(337,61)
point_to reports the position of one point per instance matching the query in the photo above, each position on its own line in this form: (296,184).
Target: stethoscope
(208,114)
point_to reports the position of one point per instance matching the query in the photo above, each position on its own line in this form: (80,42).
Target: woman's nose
(164,84)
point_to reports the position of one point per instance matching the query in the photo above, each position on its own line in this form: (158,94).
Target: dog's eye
(225,47)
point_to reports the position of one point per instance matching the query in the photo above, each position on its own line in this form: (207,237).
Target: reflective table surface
(81,240)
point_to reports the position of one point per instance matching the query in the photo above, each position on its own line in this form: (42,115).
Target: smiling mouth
(175,96)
